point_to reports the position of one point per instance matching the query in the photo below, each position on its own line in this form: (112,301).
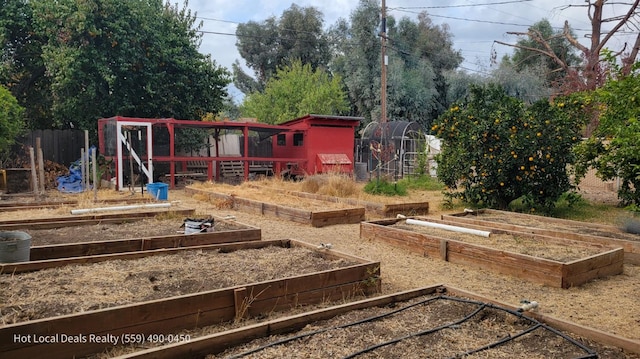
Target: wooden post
(240,300)
(95,176)
(34,176)
(40,165)
(132,185)
(86,160)
(444,250)
(83,170)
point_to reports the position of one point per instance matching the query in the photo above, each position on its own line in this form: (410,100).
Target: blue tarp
(72,183)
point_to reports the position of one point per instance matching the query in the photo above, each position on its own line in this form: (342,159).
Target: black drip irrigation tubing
(590,354)
(308,334)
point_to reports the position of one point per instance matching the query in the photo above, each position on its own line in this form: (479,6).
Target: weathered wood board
(90,219)
(559,228)
(372,209)
(320,218)
(57,251)
(608,262)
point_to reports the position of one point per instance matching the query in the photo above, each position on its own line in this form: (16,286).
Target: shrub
(497,149)
(385,188)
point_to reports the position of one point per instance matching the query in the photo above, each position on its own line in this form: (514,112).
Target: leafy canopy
(295,91)
(99,58)
(11,120)
(497,149)
(614,147)
(275,42)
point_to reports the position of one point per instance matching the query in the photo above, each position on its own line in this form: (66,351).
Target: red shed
(325,143)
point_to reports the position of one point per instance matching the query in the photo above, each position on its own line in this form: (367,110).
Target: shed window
(282,139)
(297,139)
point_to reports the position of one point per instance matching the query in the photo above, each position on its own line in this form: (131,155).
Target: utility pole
(383,74)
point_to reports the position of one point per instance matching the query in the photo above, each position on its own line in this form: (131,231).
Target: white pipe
(447,227)
(120,208)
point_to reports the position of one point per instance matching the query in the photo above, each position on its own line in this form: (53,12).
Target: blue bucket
(159,190)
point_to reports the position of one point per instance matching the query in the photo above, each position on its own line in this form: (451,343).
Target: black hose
(417,334)
(535,325)
(308,334)
(498,343)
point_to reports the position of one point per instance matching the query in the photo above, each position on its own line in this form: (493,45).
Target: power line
(458,6)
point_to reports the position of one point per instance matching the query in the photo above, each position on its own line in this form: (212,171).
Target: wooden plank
(100,216)
(371,208)
(340,216)
(218,342)
(407,209)
(69,223)
(241,303)
(187,311)
(580,272)
(146,243)
(408,240)
(444,252)
(539,270)
(30,266)
(535,270)
(14,206)
(631,248)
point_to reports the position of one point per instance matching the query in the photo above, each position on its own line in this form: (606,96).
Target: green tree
(614,147)
(295,91)
(419,55)
(107,57)
(497,149)
(268,45)
(22,69)
(11,120)
(357,58)
(529,52)
(427,52)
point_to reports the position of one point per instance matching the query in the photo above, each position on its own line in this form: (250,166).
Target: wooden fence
(60,146)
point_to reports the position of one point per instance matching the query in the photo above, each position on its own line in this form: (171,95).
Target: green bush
(385,188)
(422,182)
(496,149)
(11,121)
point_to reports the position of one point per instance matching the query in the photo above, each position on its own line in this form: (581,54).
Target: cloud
(474,28)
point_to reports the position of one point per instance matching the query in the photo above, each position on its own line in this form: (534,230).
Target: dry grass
(79,288)
(560,252)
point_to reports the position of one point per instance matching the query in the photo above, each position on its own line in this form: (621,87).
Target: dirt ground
(606,304)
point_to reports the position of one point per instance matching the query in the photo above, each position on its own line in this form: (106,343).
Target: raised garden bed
(78,243)
(312,213)
(9,206)
(554,227)
(275,286)
(574,262)
(89,219)
(372,209)
(431,322)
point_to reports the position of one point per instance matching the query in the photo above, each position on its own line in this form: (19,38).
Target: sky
(474,24)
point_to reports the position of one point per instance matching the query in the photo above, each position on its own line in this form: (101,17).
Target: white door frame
(122,140)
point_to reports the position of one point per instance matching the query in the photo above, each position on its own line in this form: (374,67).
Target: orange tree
(497,149)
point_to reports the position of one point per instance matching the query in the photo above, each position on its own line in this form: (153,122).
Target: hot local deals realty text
(66,338)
